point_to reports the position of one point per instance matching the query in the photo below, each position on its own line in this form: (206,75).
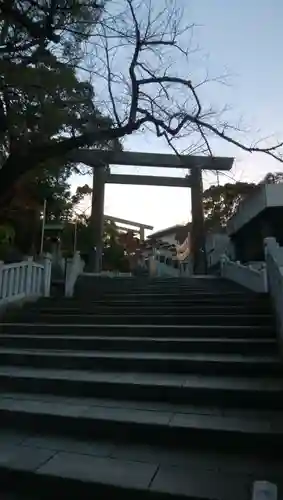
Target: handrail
(274,267)
(244,275)
(26,279)
(158,268)
(216,245)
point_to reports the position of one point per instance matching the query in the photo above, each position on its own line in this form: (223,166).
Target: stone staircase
(141,389)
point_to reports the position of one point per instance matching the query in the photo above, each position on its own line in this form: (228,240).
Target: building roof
(165,232)
(179,230)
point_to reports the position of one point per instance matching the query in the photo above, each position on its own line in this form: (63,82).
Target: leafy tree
(41,97)
(132,247)
(129,241)
(41,102)
(24,211)
(30,25)
(115,256)
(221,202)
(273,178)
(84,232)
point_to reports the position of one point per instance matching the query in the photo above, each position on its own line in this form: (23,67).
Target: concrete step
(226,391)
(174,291)
(140,281)
(155,330)
(152,389)
(125,361)
(179,310)
(158,300)
(146,343)
(53,465)
(85,288)
(162,292)
(148,319)
(160,295)
(183,426)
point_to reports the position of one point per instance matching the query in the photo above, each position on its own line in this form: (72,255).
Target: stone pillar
(97,219)
(47,263)
(56,249)
(141,233)
(68,267)
(1,277)
(197,236)
(28,284)
(266,231)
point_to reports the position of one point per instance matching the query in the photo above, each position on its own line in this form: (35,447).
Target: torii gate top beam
(128,222)
(96,158)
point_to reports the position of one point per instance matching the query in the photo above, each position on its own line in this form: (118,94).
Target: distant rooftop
(180,231)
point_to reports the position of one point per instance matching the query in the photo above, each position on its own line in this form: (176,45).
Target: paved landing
(136,467)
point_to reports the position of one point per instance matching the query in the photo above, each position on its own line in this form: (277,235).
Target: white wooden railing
(274,267)
(24,280)
(158,268)
(186,267)
(216,245)
(166,270)
(74,267)
(245,275)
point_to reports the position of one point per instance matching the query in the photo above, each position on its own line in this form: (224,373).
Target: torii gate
(101,160)
(139,227)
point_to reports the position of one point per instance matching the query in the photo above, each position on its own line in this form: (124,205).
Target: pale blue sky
(243,38)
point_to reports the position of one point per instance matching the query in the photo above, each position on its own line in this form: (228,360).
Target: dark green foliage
(42,100)
(273,178)
(221,202)
(114,254)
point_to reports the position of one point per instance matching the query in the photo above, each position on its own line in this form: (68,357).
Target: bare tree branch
(172,79)
(109,84)
(139,56)
(206,141)
(271,151)
(135,88)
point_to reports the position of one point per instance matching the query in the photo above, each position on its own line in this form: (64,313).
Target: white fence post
(274,269)
(46,277)
(17,280)
(68,269)
(28,283)
(74,268)
(1,276)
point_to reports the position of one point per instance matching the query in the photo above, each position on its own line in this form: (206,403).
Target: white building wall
(170,238)
(266,196)
(216,245)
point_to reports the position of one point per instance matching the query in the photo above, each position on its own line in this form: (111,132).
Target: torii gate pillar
(97,219)
(142,233)
(197,231)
